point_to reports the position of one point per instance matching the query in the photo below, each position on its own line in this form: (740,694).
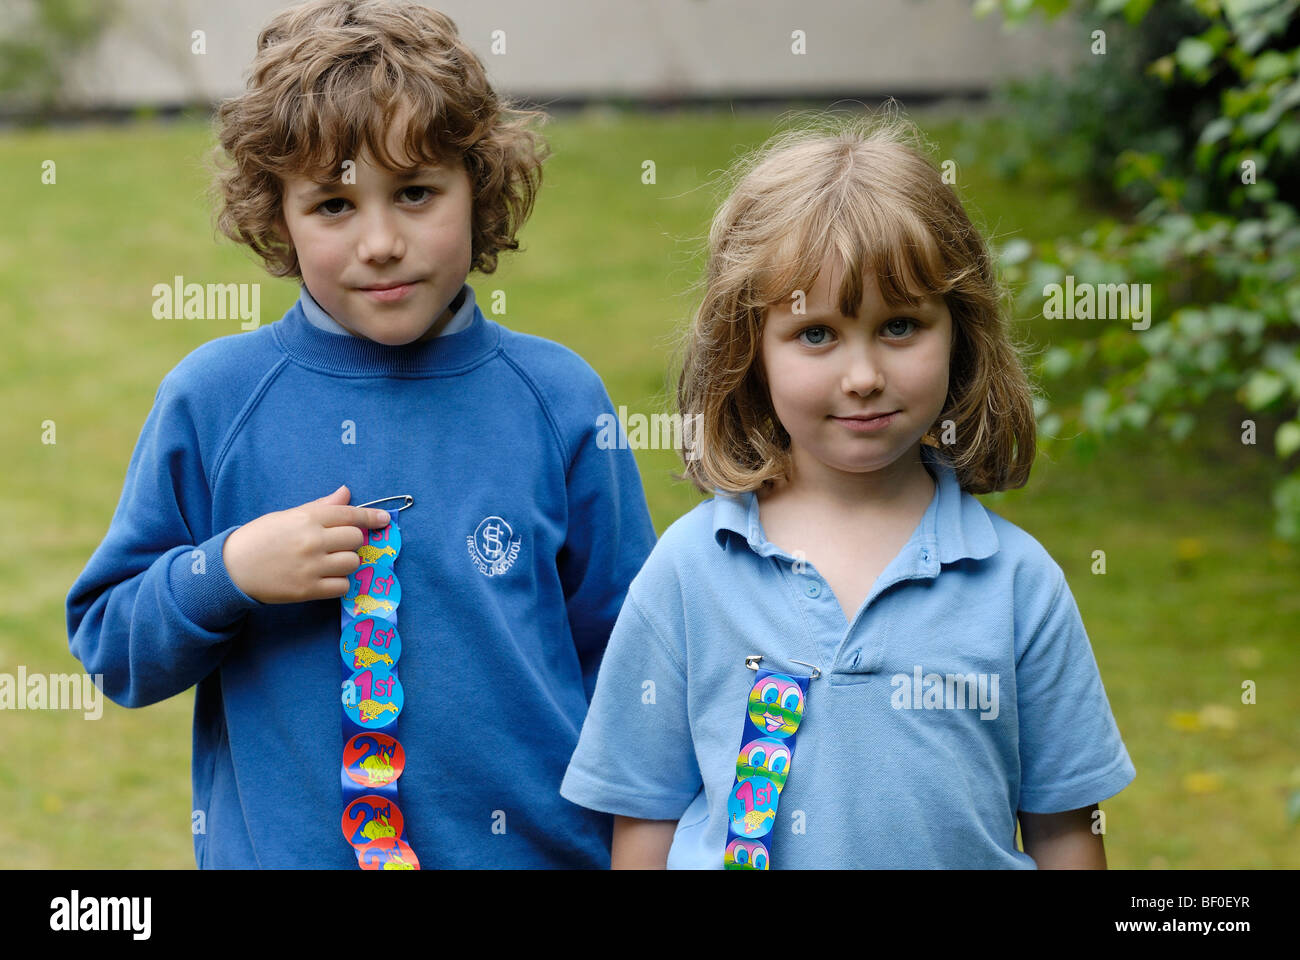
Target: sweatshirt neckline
(348,355)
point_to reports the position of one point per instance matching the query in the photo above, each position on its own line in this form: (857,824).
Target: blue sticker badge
(382,545)
(370,640)
(379,697)
(373,588)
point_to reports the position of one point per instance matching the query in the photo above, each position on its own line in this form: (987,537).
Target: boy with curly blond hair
(370,159)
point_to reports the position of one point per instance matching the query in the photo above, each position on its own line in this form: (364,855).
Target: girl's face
(823,370)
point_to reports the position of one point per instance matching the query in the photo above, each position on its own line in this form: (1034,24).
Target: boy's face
(385,255)
(823,370)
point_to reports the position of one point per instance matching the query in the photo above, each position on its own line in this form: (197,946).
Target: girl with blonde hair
(843,659)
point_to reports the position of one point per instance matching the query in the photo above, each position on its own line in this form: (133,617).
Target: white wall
(561,48)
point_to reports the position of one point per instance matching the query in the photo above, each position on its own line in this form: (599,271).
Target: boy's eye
(336,205)
(416,199)
(330,212)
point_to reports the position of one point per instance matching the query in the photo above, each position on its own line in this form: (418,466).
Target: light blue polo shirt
(965,689)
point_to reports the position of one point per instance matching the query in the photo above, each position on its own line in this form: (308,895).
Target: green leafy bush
(1193,132)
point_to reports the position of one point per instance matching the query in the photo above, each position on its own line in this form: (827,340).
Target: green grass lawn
(1196,596)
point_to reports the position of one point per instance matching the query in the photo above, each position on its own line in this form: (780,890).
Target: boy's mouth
(389,292)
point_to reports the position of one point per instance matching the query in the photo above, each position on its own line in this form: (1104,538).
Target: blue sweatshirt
(498,666)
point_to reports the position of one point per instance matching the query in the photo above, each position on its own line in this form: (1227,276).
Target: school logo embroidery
(493,546)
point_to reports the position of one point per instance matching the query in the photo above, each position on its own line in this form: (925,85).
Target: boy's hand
(303,553)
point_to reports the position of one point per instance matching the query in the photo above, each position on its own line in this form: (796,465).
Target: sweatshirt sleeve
(154,610)
(609,530)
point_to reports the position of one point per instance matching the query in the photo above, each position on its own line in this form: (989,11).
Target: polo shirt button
(814,590)
(925,555)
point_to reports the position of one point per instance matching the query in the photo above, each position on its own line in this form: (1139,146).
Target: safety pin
(751,662)
(401,496)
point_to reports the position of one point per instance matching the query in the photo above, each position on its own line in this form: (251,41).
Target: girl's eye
(817,335)
(901,320)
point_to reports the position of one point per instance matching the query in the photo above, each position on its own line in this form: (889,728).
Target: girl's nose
(863,375)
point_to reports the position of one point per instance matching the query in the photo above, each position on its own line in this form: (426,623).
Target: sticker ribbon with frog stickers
(373,758)
(774,710)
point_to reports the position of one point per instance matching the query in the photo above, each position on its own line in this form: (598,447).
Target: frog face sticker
(746,855)
(776,705)
(764,757)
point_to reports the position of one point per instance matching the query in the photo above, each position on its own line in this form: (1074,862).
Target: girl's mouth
(866,426)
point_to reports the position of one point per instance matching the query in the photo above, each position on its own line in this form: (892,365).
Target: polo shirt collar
(955,525)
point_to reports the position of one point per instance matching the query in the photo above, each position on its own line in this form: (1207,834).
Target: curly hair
(860,190)
(329,79)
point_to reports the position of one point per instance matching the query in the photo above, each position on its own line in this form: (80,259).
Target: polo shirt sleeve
(635,756)
(1071,754)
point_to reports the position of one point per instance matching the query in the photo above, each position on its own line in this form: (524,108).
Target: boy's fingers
(341,495)
(341,516)
(334,587)
(344,539)
(343,563)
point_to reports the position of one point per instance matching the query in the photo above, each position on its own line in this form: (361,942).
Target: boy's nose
(380,241)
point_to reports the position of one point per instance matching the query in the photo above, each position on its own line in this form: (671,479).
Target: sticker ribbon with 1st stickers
(373,758)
